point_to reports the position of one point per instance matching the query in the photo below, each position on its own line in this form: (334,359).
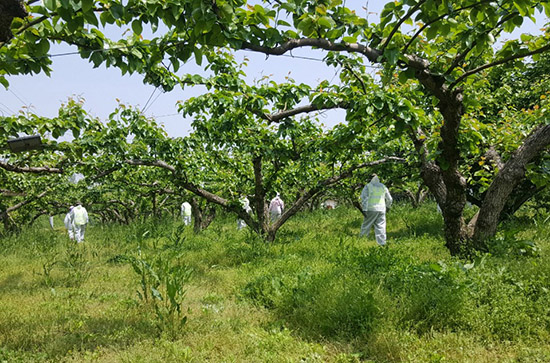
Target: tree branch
(211,197)
(499,62)
(505,181)
(3,214)
(29,169)
(328,182)
(435,20)
(9,193)
(157,163)
(429,171)
(277,117)
(400,22)
(460,57)
(349,69)
(370,53)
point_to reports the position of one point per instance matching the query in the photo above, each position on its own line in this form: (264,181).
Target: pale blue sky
(101,87)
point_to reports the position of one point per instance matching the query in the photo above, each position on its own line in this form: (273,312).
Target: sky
(101,87)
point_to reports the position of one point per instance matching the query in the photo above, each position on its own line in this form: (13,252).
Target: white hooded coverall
(375,197)
(69,223)
(186,213)
(276,208)
(80,219)
(245,203)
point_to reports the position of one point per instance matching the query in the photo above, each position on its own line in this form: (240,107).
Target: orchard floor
(317,294)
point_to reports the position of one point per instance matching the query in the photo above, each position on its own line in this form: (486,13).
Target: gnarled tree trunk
(503,184)
(202,216)
(10,9)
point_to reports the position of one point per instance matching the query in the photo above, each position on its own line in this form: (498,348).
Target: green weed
(317,294)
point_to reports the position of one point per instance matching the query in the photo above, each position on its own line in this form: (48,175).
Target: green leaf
(334,33)
(43,46)
(349,39)
(403,77)
(117,11)
(91,18)
(87,5)
(326,22)
(96,58)
(432,31)
(4,82)
(518,21)
(106,18)
(392,55)
(198,55)
(306,26)
(50,4)
(137,27)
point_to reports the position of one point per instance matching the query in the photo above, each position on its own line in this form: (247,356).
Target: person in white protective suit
(80,219)
(186,213)
(375,198)
(245,204)
(69,223)
(276,208)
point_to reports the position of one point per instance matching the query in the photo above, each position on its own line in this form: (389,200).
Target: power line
(150,45)
(153,101)
(149,99)
(19,98)
(168,115)
(7,108)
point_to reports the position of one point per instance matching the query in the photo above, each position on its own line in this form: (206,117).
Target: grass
(318,294)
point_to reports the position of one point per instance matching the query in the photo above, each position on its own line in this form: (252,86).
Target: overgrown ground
(318,294)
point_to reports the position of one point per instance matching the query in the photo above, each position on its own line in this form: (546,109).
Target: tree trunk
(503,184)
(259,198)
(271,234)
(10,9)
(154,201)
(523,192)
(202,217)
(358,206)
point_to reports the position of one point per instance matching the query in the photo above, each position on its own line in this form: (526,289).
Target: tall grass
(319,293)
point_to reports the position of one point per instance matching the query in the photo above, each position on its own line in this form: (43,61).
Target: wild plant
(74,263)
(77,265)
(47,267)
(163,289)
(508,243)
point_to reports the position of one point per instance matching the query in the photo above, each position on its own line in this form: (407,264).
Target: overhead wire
(7,108)
(19,98)
(151,104)
(149,99)
(150,45)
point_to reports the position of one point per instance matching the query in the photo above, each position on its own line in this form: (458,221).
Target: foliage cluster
(468,116)
(356,291)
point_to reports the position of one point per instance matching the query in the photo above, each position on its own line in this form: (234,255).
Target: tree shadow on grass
(413,227)
(351,228)
(289,236)
(83,334)
(12,282)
